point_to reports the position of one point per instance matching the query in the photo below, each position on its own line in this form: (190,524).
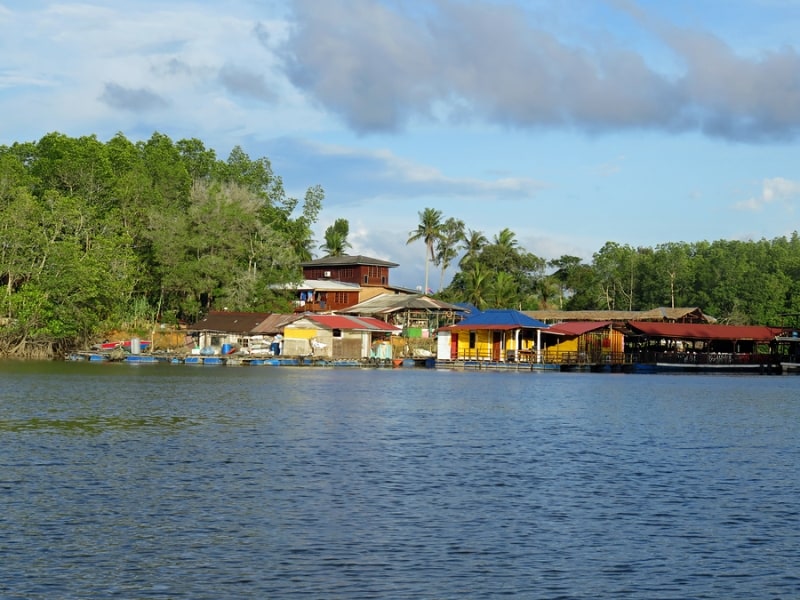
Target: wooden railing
(586,358)
(704,358)
(558,358)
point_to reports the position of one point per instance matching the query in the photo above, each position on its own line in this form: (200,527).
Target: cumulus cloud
(131,99)
(246,83)
(776,189)
(379,68)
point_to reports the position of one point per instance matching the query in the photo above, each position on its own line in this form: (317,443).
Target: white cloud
(381,66)
(776,189)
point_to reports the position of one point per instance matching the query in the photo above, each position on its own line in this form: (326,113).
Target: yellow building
(492,335)
(583,342)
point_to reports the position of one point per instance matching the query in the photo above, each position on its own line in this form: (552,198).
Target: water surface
(170,481)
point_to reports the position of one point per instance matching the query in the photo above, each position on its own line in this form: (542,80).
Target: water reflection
(291,483)
(94,424)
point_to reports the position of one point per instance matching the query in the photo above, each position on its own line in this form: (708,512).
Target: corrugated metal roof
(497,319)
(353,323)
(705,331)
(347,260)
(389,303)
(324,285)
(655,314)
(577,327)
(275,323)
(328,285)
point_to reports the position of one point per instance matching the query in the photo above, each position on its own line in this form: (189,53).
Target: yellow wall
(610,342)
(300,334)
(553,352)
(484,344)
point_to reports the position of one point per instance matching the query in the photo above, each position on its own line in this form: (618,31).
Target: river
(171,481)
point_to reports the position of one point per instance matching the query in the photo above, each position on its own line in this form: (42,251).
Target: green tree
(664,274)
(429,230)
(447,245)
(473,244)
(478,281)
(565,267)
(200,162)
(503,291)
(77,273)
(336,238)
(73,167)
(97,235)
(170,182)
(300,232)
(615,267)
(21,244)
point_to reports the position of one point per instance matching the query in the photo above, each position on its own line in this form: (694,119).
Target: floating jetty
(234,360)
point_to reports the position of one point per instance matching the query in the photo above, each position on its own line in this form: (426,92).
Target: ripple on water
(297,483)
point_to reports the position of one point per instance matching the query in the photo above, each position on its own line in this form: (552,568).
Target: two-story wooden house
(361,270)
(334,283)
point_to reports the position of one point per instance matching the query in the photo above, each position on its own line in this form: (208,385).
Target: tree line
(101,235)
(738,282)
(119,234)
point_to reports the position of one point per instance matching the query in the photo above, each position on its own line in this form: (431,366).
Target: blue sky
(570,123)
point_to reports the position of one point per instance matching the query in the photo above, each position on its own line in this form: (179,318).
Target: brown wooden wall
(360,274)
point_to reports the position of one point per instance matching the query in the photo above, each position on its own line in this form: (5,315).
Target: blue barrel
(226,349)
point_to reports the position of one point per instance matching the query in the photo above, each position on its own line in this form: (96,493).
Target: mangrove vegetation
(96,236)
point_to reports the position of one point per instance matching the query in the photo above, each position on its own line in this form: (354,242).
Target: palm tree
(447,245)
(429,230)
(473,243)
(506,239)
(478,281)
(506,249)
(336,238)
(503,290)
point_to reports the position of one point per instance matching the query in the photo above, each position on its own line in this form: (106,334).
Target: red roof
(577,327)
(349,322)
(705,331)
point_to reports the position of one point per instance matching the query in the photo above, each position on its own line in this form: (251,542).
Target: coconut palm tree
(478,281)
(507,240)
(503,290)
(472,244)
(336,238)
(429,230)
(447,245)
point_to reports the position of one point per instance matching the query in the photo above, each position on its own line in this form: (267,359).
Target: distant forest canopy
(96,236)
(738,282)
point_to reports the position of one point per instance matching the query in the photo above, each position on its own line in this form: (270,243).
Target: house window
(337,333)
(366,278)
(472,339)
(342,298)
